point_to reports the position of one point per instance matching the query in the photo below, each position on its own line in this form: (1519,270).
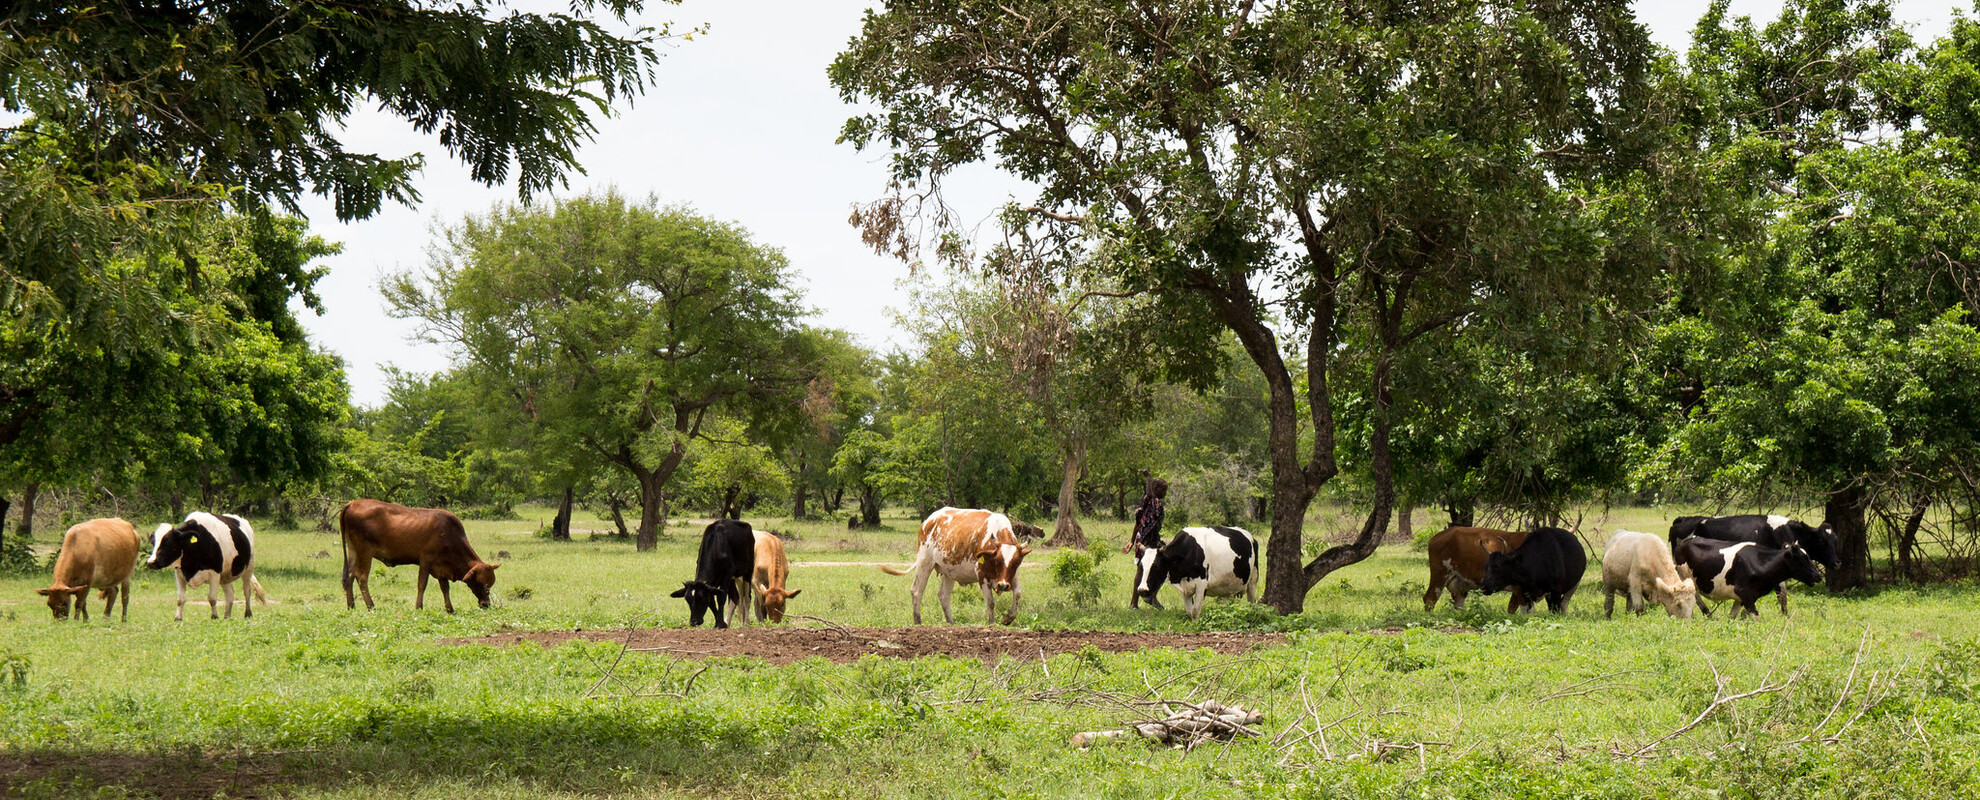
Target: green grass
(323,702)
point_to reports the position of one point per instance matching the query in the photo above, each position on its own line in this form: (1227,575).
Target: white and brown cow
(213,550)
(98,554)
(968,546)
(1638,566)
(772,569)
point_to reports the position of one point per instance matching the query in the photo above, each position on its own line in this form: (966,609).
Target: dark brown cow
(1457,562)
(397,535)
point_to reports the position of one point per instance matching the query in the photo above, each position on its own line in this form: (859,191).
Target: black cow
(1213,562)
(1772,530)
(721,573)
(1743,571)
(1550,562)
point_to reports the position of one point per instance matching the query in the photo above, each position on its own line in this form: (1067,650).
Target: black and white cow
(213,550)
(722,573)
(1772,530)
(1550,562)
(1213,562)
(1743,571)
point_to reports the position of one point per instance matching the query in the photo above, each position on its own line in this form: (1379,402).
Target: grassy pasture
(310,700)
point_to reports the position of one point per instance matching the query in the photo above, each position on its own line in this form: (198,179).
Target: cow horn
(53,590)
(1024,551)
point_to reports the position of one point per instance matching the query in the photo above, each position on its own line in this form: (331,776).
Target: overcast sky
(740,125)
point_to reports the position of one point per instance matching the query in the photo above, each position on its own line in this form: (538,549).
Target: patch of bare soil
(74,774)
(786,644)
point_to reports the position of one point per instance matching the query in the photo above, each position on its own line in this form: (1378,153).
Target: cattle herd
(1739,558)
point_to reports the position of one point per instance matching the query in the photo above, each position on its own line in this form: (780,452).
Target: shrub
(1078,571)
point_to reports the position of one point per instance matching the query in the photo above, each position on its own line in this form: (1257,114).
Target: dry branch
(1195,724)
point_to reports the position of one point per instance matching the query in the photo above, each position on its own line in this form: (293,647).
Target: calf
(1550,562)
(1457,562)
(769,576)
(1214,562)
(1743,571)
(98,554)
(1637,565)
(1772,530)
(967,546)
(722,573)
(213,550)
(398,535)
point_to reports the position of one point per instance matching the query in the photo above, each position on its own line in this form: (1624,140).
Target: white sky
(741,126)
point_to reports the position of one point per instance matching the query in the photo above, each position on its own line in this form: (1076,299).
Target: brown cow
(769,576)
(98,554)
(397,535)
(967,545)
(1457,562)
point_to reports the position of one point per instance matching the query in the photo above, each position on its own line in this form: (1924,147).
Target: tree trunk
(799,492)
(1404,528)
(837,499)
(651,492)
(869,507)
(4,505)
(178,506)
(1066,532)
(618,516)
(1845,511)
(26,530)
(731,509)
(1908,540)
(560,527)
(1462,511)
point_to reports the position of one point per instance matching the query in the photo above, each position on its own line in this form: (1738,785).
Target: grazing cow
(1217,562)
(398,535)
(722,574)
(1550,562)
(1772,530)
(769,576)
(1457,562)
(1743,571)
(98,554)
(213,550)
(1637,565)
(968,546)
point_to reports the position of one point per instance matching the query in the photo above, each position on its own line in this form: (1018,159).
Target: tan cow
(1457,563)
(970,546)
(1639,565)
(768,578)
(398,535)
(98,554)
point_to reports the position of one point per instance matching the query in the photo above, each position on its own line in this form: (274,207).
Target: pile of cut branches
(1193,724)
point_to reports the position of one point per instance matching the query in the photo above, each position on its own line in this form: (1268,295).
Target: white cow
(1638,565)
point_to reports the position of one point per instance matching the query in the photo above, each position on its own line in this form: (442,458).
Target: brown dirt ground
(229,775)
(786,644)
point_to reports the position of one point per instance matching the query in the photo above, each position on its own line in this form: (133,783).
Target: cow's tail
(892,571)
(344,543)
(254,585)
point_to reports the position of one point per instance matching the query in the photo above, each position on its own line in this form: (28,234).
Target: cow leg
(80,601)
(1436,587)
(1609,603)
(1457,598)
(942,594)
(1251,589)
(179,613)
(125,614)
(920,586)
(447,595)
(1781,591)
(419,595)
(1017,595)
(364,582)
(228,589)
(247,594)
(989,602)
(739,594)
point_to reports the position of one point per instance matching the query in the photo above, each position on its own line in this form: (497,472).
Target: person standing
(1147,535)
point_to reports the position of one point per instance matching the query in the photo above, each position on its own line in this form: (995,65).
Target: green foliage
(1955,670)
(1077,572)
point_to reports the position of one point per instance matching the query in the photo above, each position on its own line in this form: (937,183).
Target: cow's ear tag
(192,540)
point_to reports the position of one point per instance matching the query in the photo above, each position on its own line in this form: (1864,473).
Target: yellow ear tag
(192,540)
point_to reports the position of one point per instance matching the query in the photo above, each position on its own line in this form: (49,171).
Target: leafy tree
(1393,168)
(615,329)
(729,473)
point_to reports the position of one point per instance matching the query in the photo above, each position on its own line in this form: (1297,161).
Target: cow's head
(1502,569)
(1679,597)
(1801,567)
(1819,542)
(998,565)
(480,578)
(1151,570)
(773,602)
(60,598)
(168,543)
(701,596)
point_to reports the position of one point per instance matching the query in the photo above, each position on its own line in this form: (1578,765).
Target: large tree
(615,329)
(1325,180)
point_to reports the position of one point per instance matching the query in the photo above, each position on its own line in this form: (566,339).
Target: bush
(17,556)
(1079,572)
